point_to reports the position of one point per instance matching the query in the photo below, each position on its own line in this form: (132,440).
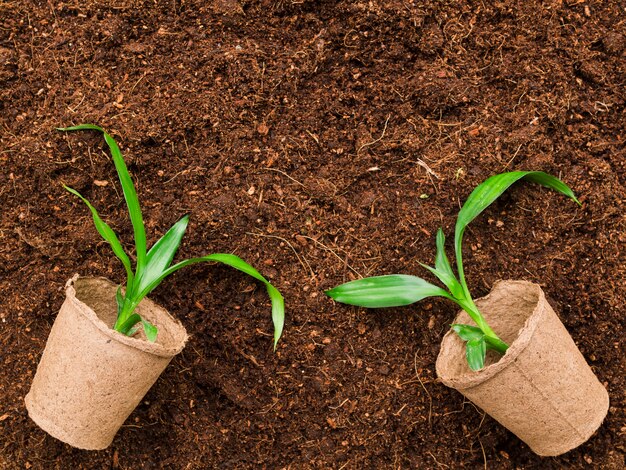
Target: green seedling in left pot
(398,289)
(154,265)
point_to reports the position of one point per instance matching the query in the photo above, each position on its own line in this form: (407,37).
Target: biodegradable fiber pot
(90,377)
(542,389)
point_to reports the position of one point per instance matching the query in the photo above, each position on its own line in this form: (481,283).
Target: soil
(320,141)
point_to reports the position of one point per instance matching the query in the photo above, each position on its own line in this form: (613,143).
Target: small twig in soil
(430,398)
(345,261)
(397,413)
(33,242)
(250,357)
(423,164)
(368,144)
(340,405)
(75,108)
(137,83)
(484,455)
(284,174)
(481,422)
(314,137)
(344,465)
(439,464)
(457,411)
(345,38)
(307,266)
(513,157)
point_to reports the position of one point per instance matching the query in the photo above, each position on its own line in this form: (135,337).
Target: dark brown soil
(321,141)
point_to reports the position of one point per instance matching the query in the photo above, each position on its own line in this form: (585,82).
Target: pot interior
(508,308)
(99,295)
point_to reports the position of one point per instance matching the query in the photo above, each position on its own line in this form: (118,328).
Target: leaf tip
(150,330)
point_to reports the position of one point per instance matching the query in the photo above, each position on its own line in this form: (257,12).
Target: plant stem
(493,340)
(125,327)
(496,344)
(125,314)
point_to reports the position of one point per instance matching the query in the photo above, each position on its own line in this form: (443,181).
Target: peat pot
(542,389)
(90,377)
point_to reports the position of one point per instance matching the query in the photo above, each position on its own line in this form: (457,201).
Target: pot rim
(472,379)
(155,348)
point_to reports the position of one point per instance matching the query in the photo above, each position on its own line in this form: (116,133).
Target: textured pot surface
(90,377)
(542,389)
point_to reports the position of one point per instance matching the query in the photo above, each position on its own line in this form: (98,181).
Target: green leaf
(278,311)
(441,259)
(467,332)
(161,255)
(278,303)
(150,330)
(475,351)
(393,290)
(132,202)
(119,300)
(486,193)
(496,344)
(107,233)
(126,326)
(442,268)
(443,277)
(134,329)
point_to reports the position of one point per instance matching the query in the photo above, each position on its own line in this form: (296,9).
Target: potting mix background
(322,142)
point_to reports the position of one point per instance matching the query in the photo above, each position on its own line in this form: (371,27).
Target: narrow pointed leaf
(107,233)
(475,351)
(444,278)
(161,255)
(467,332)
(150,330)
(393,290)
(486,193)
(278,303)
(441,259)
(443,270)
(278,311)
(119,300)
(128,188)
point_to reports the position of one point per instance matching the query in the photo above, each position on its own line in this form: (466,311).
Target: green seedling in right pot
(396,290)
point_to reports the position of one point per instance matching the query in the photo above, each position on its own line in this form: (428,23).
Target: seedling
(398,289)
(154,265)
